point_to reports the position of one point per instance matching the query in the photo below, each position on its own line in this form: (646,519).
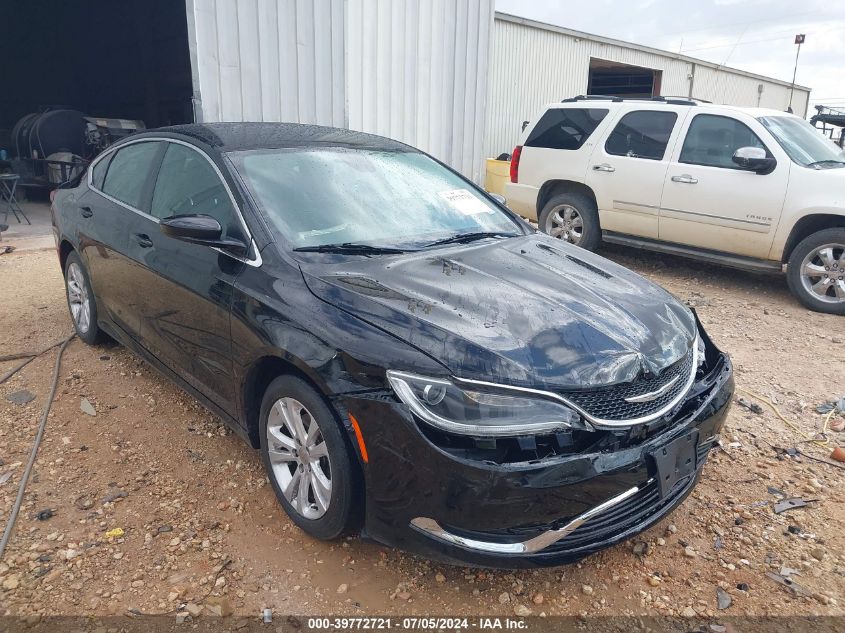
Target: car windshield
(354,197)
(803,143)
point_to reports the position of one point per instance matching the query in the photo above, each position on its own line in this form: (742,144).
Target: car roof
(655,104)
(231,137)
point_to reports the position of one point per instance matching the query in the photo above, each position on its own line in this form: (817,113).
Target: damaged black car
(413,361)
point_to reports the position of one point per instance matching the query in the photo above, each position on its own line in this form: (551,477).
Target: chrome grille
(608,403)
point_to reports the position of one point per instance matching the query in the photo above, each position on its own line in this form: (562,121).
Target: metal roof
(507,17)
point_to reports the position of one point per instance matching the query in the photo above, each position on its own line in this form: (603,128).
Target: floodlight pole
(799,39)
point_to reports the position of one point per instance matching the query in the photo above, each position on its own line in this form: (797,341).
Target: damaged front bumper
(460,506)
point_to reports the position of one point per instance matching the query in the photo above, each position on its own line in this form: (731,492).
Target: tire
(819,261)
(564,214)
(322,515)
(81,301)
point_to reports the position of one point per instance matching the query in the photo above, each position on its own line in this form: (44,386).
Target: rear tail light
(52,195)
(517,152)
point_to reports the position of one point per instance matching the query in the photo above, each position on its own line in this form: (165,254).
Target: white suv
(746,187)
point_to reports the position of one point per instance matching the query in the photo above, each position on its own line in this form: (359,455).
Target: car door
(709,201)
(187,288)
(627,171)
(117,186)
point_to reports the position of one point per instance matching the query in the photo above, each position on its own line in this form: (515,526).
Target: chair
(8,184)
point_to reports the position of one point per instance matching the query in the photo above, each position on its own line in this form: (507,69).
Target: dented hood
(528,311)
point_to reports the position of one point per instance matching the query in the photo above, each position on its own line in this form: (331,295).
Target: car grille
(608,403)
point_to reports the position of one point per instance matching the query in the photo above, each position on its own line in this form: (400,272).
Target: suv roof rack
(658,99)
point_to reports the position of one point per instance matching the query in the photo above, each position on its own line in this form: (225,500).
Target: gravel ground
(157,507)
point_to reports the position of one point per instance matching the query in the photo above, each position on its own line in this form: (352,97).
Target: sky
(753,35)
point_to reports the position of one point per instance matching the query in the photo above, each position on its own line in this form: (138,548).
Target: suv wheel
(307,459)
(572,217)
(81,300)
(816,271)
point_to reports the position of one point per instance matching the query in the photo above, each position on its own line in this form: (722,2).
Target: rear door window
(642,134)
(129,172)
(712,140)
(565,128)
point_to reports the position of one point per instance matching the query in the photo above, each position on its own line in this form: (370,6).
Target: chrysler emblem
(653,395)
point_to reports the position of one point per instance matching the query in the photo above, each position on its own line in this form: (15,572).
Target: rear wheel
(816,271)
(572,217)
(307,459)
(81,300)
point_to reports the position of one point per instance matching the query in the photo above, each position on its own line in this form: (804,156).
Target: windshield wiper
(462,238)
(350,248)
(829,161)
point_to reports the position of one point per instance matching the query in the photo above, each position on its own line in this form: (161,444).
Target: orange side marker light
(360,438)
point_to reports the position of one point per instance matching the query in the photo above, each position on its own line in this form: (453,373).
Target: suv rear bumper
(522,199)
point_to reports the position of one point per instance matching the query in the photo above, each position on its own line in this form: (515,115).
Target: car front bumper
(547,512)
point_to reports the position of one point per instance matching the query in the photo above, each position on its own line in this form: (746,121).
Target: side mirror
(498,198)
(525,125)
(754,159)
(199,229)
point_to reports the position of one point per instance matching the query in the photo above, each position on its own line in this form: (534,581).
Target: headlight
(446,406)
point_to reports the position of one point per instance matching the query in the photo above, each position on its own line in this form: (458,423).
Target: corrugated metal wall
(417,71)
(413,70)
(533,66)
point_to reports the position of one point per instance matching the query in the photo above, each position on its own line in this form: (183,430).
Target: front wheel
(81,300)
(572,217)
(816,271)
(307,459)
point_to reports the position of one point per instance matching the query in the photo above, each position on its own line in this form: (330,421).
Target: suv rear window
(565,128)
(642,134)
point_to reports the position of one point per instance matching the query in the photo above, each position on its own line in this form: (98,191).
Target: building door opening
(613,79)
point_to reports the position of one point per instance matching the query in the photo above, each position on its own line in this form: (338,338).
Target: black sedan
(413,361)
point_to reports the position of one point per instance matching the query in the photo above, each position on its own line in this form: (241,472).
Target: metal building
(413,70)
(533,64)
(441,75)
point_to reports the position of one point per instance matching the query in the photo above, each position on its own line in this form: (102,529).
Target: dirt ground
(200,526)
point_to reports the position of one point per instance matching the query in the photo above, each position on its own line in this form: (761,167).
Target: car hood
(527,311)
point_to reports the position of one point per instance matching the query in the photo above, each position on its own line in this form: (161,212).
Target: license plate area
(675,461)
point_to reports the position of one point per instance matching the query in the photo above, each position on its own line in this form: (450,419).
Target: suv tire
(307,459)
(572,217)
(816,271)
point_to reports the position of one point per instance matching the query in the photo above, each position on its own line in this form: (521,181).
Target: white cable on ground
(10,526)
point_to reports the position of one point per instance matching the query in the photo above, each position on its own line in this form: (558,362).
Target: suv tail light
(517,151)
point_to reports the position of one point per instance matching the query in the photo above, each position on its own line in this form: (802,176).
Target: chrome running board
(538,543)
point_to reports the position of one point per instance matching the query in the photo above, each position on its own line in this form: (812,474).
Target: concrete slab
(28,237)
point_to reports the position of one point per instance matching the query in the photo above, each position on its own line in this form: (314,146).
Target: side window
(128,172)
(712,140)
(98,174)
(642,134)
(188,184)
(565,128)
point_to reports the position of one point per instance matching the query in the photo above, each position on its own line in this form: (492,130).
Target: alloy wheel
(823,273)
(299,458)
(566,223)
(78,297)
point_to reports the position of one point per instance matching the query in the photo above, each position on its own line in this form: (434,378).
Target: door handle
(143,240)
(86,212)
(686,179)
(603,167)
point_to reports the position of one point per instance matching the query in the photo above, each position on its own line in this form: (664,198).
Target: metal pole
(794,72)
